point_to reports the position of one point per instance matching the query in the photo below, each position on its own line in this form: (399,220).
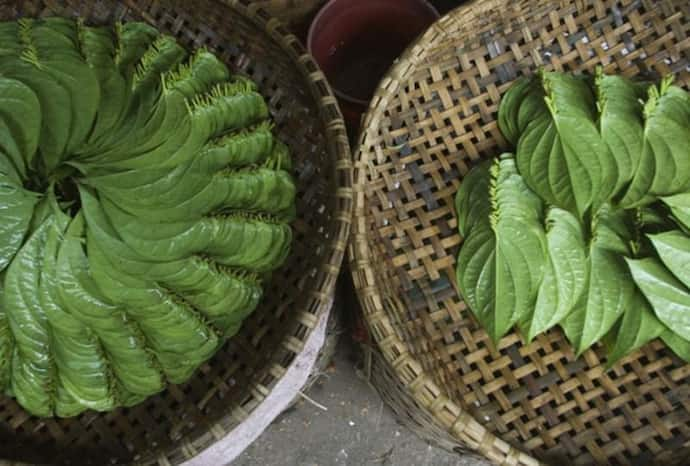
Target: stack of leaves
(143,199)
(587,225)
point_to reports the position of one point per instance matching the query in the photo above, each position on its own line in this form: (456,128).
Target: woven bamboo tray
(432,118)
(186,419)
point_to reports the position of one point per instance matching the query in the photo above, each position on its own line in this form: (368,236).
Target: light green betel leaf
(561,154)
(678,345)
(33,370)
(609,289)
(565,273)
(669,298)
(673,248)
(621,122)
(501,263)
(16,210)
(680,207)
(6,342)
(664,167)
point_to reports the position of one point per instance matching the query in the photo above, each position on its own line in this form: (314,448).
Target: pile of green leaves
(587,224)
(143,199)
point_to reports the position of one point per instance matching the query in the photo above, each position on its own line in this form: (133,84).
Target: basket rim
(457,421)
(320,302)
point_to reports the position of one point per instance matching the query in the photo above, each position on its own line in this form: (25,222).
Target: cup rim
(310,41)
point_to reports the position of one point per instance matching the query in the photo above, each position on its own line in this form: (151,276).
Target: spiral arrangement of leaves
(143,200)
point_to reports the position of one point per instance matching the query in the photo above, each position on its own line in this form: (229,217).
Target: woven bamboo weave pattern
(185,419)
(432,118)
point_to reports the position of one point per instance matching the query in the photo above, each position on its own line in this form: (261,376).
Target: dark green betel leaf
(472,200)
(521,105)
(20,122)
(639,326)
(565,273)
(561,154)
(501,263)
(609,290)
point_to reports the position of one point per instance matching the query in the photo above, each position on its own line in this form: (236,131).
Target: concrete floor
(355,428)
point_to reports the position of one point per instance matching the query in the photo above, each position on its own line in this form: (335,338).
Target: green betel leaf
(521,104)
(33,370)
(472,200)
(678,345)
(82,371)
(621,122)
(639,326)
(609,290)
(565,273)
(673,248)
(6,342)
(501,263)
(20,122)
(669,298)
(122,342)
(664,167)
(16,210)
(680,207)
(561,155)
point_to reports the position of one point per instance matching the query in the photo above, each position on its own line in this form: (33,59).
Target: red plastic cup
(356,41)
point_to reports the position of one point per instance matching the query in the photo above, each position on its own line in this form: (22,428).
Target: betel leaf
(20,112)
(673,248)
(82,371)
(472,200)
(669,298)
(33,370)
(561,155)
(664,167)
(521,104)
(680,207)
(621,122)
(501,264)
(127,356)
(678,345)
(6,342)
(639,326)
(565,273)
(16,209)
(609,289)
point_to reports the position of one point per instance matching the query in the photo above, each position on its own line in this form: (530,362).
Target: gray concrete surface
(355,429)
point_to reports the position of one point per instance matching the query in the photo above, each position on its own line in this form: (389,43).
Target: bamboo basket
(186,419)
(290,11)
(432,118)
